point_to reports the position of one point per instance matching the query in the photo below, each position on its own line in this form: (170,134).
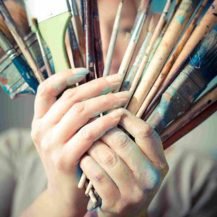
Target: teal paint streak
(106,90)
(180,19)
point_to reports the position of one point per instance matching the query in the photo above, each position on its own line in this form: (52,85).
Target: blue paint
(180,19)
(26,72)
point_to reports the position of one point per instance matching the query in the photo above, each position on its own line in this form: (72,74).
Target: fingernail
(115,80)
(81,73)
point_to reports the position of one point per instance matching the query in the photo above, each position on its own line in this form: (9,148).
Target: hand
(64,128)
(125,172)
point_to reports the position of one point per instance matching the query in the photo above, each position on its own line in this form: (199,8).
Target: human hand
(64,128)
(125,172)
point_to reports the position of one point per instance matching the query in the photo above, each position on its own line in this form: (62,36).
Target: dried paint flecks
(180,19)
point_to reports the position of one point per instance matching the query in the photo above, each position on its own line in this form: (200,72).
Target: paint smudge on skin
(106,90)
(180,19)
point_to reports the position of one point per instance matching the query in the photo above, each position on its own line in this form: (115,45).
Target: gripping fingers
(146,138)
(132,155)
(74,149)
(98,87)
(103,184)
(53,86)
(81,113)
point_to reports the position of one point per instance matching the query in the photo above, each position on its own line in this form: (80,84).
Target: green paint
(106,91)
(180,19)
(79,75)
(53,31)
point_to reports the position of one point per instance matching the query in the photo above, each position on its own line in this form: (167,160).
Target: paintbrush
(78,29)
(168,42)
(99,63)
(200,110)
(113,39)
(19,80)
(41,45)
(52,23)
(167,17)
(137,28)
(20,42)
(16,58)
(205,25)
(75,50)
(171,60)
(134,72)
(139,70)
(89,40)
(193,79)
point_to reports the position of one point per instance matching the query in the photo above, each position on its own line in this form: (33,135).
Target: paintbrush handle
(136,31)
(113,40)
(171,61)
(169,40)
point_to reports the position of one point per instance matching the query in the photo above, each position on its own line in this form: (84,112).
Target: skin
(125,172)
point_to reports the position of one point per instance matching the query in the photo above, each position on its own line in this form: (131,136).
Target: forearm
(48,205)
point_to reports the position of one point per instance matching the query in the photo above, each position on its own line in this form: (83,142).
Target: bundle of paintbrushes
(169,66)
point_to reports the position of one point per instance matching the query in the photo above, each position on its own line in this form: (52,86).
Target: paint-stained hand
(127,170)
(64,128)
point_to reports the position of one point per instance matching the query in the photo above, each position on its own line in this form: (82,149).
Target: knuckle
(68,94)
(45,89)
(123,141)
(78,108)
(146,131)
(99,177)
(109,158)
(87,135)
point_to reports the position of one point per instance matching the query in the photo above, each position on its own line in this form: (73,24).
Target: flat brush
(20,42)
(35,29)
(199,112)
(19,80)
(194,78)
(52,23)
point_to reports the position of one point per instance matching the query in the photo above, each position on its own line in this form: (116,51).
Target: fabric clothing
(189,190)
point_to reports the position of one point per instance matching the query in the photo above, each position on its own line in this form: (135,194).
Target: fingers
(54,86)
(143,170)
(81,113)
(101,181)
(84,92)
(146,138)
(74,149)
(114,167)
